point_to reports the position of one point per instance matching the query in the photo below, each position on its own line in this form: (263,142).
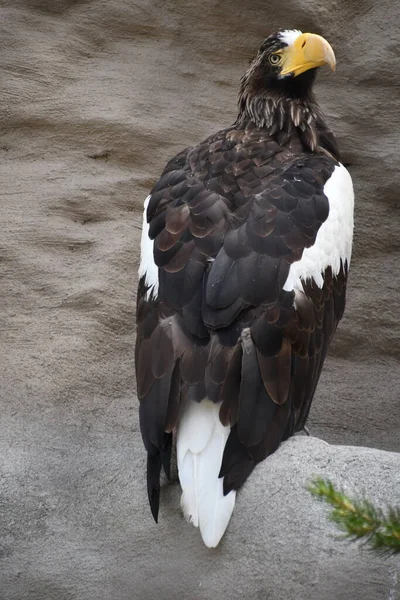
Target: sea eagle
(245,252)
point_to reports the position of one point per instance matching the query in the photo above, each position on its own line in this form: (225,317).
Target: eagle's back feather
(233,332)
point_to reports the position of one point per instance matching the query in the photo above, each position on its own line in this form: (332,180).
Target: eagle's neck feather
(285,105)
(279,114)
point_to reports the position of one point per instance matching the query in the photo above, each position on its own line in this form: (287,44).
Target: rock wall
(96,96)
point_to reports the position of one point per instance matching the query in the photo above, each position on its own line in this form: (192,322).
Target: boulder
(78,526)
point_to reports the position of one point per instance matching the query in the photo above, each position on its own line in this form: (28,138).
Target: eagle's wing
(245,251)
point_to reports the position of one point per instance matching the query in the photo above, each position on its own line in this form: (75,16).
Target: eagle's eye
(275,59)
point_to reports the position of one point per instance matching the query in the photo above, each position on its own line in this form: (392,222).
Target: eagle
(245,252)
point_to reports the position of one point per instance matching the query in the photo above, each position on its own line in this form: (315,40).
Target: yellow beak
(308,51)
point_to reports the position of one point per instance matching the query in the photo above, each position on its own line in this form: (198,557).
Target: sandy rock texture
(96,96)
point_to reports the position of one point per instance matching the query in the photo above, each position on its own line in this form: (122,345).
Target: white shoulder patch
(335,236)
(289,36)
(147,268)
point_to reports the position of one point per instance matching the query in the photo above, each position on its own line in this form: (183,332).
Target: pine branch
(360,519)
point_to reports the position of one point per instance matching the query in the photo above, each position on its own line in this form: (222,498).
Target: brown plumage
(228,218)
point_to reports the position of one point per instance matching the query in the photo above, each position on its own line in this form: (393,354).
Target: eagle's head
(286,62)
(280,77)
(290,53)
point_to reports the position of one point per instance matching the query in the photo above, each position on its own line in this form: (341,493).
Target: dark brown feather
(275,372)
(231,388)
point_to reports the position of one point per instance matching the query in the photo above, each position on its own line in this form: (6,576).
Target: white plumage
(147,268)
(334,238)
(201,440)
(289,36)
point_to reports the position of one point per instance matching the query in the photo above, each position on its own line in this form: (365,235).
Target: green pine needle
(360,519)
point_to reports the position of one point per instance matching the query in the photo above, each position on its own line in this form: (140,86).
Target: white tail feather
(201,440)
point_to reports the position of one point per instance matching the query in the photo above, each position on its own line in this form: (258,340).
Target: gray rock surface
(81,530)
(96,96)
